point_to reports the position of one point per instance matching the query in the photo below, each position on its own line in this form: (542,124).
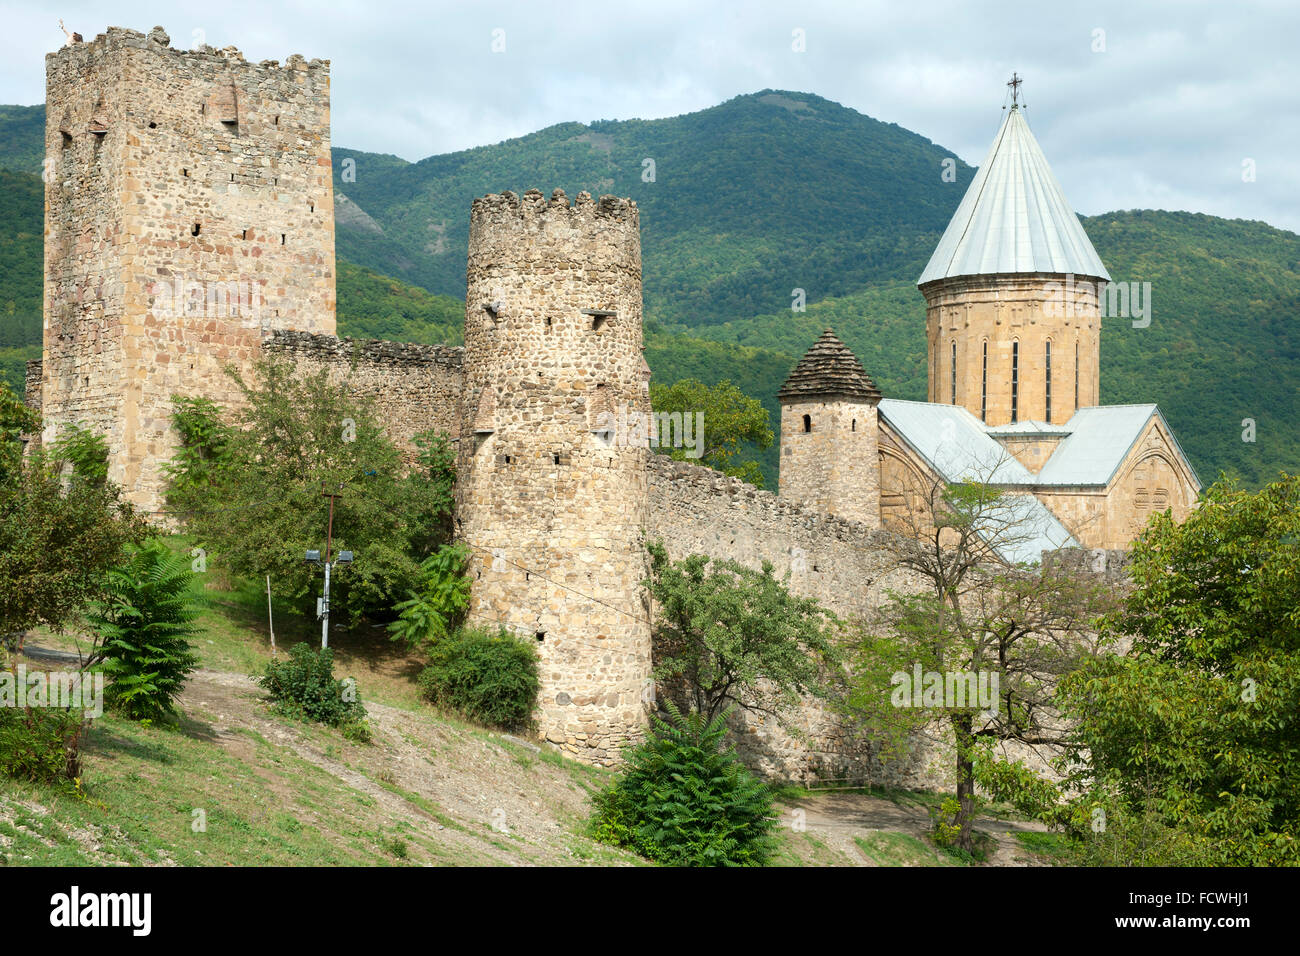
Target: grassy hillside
(430,789)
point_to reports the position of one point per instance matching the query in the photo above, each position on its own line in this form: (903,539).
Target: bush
(41,744)
(489,677)
(684,800)
(143,628)
(435,608)
(304,686)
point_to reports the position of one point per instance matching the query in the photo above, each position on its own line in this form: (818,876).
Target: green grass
(885,848)
(142,786)
(1053,847)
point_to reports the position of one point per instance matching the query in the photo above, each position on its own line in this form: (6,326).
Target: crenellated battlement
(158,41)
(531,230)
(377,352)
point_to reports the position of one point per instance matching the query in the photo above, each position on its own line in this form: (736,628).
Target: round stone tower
(552,467)
(1012,293)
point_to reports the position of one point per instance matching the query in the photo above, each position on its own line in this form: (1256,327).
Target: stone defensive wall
(848,567)
(413,387)
(845,565)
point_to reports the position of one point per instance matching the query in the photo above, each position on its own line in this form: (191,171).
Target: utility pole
(313,557)
(329,543)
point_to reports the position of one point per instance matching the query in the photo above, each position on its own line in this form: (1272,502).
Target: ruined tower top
(158,41)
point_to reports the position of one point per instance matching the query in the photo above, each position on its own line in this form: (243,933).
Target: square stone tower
(189,211)
(830,456)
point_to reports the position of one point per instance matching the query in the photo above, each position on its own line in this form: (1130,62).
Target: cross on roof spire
(1014,83)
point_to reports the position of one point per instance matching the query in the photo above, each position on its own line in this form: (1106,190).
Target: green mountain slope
(750,200)
(22,138)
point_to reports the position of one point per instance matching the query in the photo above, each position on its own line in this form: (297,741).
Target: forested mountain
(748,201)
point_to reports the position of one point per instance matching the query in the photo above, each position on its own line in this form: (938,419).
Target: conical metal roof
(827,369)
(1014,217)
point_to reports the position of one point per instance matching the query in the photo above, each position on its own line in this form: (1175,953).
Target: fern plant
(685,799)
(143,629)
(436,607)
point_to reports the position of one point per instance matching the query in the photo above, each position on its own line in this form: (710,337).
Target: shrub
(41,744)
(685,800)
(433,611)
(143,627)
(304,686)
(489,677)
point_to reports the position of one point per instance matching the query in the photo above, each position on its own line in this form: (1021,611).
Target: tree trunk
(965,744)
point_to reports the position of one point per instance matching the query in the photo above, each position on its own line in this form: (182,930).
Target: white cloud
(1163,117)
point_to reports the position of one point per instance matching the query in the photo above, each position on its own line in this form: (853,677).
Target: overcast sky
(1137,105)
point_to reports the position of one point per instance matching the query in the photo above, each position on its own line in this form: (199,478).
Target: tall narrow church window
(1015,380)
(953,376)
(984,385)
(807,423)
(1076,374)
(1048,386)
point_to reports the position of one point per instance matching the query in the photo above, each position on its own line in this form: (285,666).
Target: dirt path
(839,817)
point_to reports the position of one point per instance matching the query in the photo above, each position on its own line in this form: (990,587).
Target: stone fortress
(189,226)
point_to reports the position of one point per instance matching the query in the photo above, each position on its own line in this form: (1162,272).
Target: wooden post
(269,619)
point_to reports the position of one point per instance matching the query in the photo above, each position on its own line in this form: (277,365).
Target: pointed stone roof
(829,368)
(1014,217)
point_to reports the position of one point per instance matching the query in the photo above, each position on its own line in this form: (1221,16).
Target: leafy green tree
(16,420)
(201,456)
(1016,630)
(484,675)
(731,420)
(1192,732)
(85,450)
(728,635)
(57,536)
(142,629)
(304,687)
(296,437)
(684,799)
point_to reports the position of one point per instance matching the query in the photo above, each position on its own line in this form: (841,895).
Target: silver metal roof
(1014,217)
(1028,428)
(953,442)
(1100,439)
(958,447)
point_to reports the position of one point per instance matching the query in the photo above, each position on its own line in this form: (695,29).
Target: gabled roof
(955,444)
(1100,440)
(1036,529)
(828,368)
(1014,217)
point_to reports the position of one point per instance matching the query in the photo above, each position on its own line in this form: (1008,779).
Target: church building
(1013,320)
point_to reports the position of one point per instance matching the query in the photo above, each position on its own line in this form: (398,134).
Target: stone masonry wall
(551,505)
(970,312)
(189,212)
(413,387)
(848,567)
(831,465)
